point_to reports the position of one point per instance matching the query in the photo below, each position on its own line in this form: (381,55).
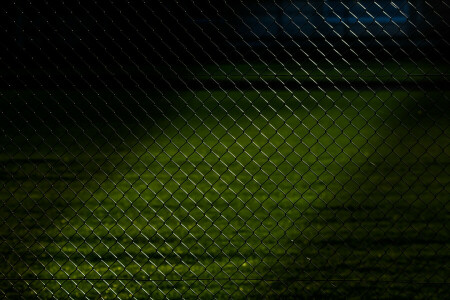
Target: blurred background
(224,149)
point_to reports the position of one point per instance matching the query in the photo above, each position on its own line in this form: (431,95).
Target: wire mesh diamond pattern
(224,149)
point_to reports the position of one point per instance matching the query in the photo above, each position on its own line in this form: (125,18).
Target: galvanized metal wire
(233,149)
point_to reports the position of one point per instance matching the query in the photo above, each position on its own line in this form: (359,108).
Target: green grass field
(227,193)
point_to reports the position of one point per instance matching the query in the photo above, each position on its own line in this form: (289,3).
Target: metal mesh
(224,149)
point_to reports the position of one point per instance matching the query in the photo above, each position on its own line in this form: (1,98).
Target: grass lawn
(321,194)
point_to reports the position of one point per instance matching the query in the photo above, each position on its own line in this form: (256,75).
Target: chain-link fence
(224,149)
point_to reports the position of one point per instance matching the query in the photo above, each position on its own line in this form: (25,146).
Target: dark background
(136,32)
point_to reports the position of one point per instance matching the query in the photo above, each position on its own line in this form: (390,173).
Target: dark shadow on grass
(83,108)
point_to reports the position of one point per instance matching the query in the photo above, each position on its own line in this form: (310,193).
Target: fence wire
(224,149)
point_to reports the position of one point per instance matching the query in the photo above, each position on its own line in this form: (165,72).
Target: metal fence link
(224,149)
